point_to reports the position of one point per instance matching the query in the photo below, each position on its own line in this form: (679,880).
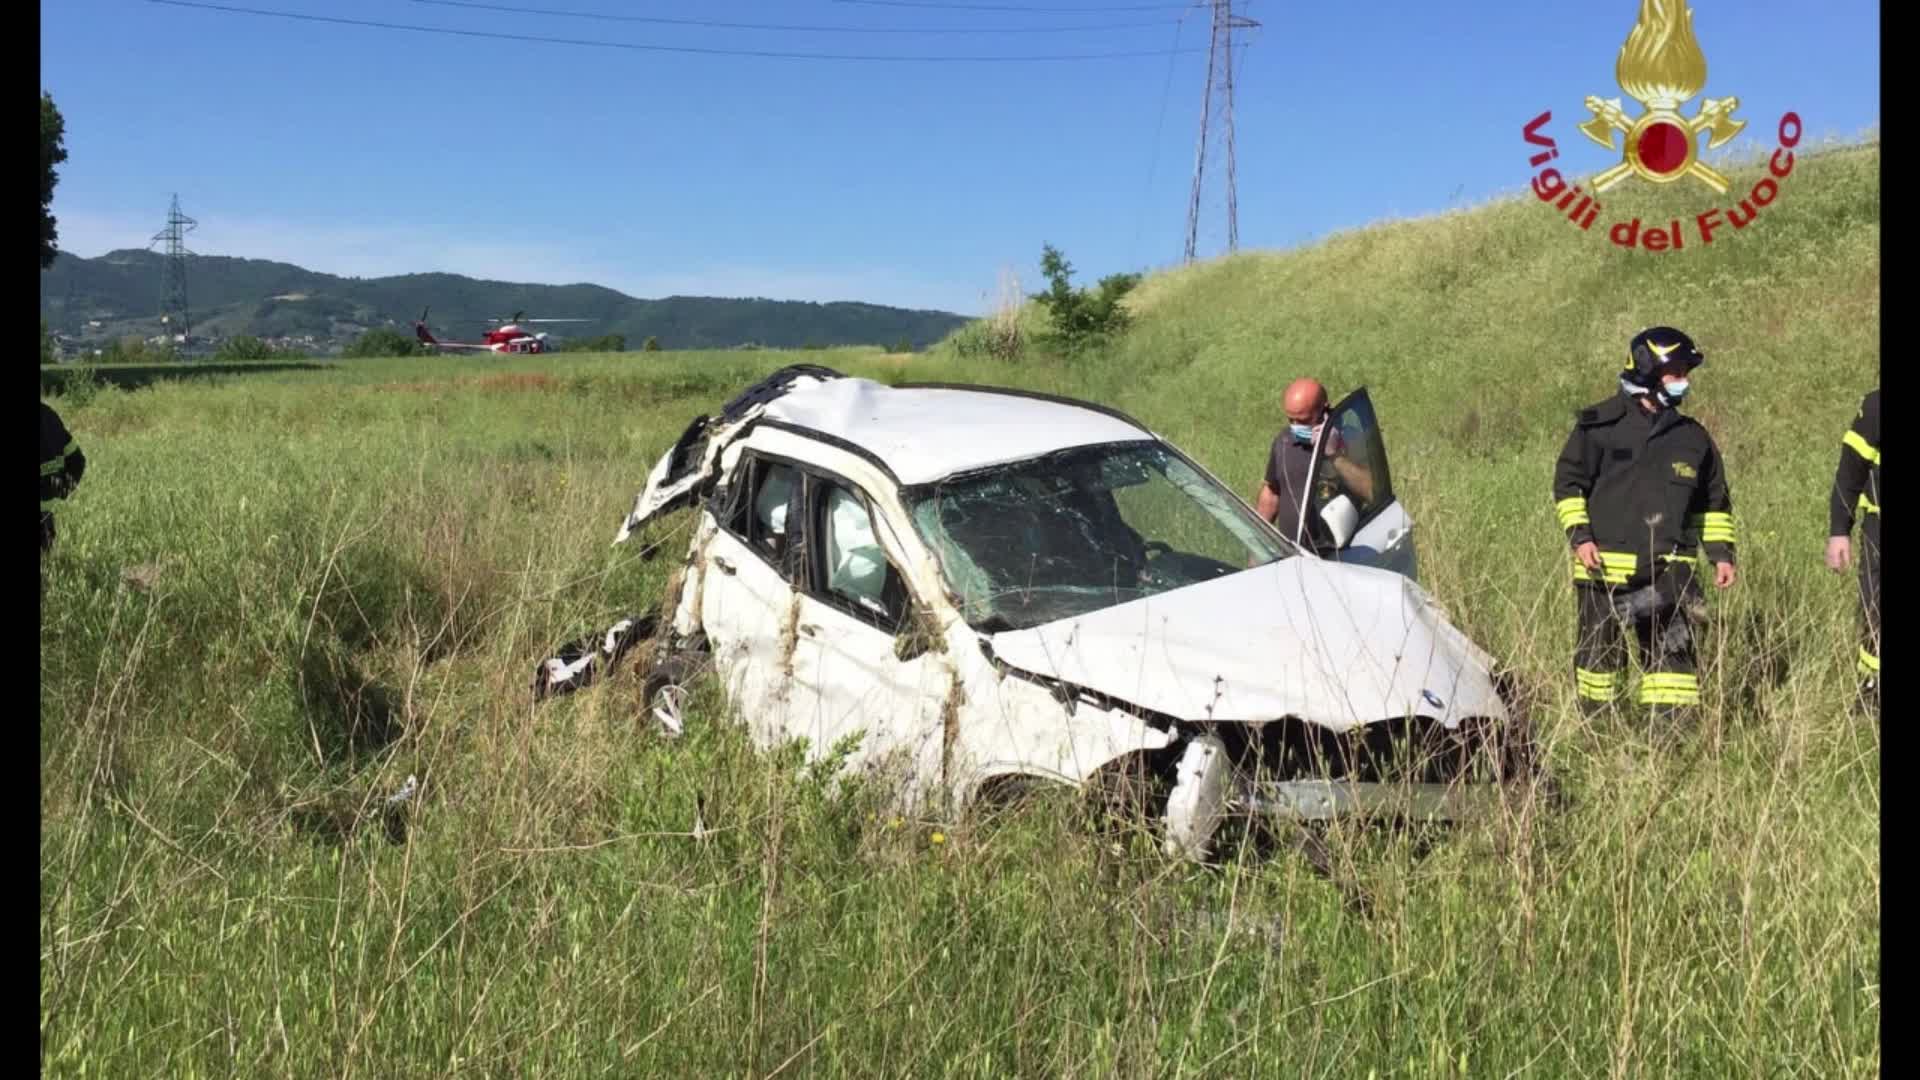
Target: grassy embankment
(345,576)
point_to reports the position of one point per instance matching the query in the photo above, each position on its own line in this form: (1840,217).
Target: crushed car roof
(925,432)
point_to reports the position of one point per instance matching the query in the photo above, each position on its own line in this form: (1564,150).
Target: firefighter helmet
(1657,349)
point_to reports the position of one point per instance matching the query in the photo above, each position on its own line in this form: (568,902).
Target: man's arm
(1859,452)
(1267,504)
(1716,525)
(1572,479)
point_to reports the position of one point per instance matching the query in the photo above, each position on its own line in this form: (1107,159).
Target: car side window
(853,569)
(760,518)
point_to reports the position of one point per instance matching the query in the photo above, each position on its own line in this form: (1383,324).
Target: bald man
(1290,467)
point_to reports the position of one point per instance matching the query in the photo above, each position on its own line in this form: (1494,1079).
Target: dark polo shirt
(1289,474)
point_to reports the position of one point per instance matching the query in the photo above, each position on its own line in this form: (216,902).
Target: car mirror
(1342,518)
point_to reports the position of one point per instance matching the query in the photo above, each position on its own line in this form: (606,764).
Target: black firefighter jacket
(1645,488)
(1856,482)
(61,462)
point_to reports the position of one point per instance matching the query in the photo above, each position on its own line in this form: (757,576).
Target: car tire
(1127,795)
(663,690)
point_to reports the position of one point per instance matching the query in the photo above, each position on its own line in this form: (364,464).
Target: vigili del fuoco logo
(1661,67)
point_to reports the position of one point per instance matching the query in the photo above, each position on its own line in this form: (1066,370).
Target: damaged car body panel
(1343,646)
(957,585)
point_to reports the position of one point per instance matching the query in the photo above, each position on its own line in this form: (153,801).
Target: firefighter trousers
(1868,664)
(1661,618)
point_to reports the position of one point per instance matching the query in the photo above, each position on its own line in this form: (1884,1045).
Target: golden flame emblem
(1661,66)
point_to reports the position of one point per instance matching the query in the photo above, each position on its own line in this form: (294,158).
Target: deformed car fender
(1197,804)
(1014,723)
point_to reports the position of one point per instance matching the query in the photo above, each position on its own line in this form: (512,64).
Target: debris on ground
(580,662)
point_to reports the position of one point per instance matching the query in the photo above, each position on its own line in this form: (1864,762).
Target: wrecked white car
(978,588)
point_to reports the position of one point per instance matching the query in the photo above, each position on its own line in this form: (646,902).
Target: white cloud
(380,251)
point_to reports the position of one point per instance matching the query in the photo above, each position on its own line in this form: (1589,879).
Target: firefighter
(1856,487)
(61,465)
(1639,489)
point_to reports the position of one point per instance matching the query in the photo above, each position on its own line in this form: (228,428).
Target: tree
(134,350)
(53,151)
(48,354)
(652,344)
(382,341)
(603,343)
(242,349)
(1082,318)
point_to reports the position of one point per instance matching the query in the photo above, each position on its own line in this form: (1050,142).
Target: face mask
(1674,391)
(1302,433)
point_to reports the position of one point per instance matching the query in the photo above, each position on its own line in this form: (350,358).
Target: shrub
(603,343)
(242,349)
(381,341)
(997,336)
(133,350)
(1081,318)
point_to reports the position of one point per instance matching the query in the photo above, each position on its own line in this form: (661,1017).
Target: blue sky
(357,150)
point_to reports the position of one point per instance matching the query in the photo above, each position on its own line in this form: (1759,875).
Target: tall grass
(278,596)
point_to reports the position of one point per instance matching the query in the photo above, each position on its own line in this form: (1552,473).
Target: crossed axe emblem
(1716,115)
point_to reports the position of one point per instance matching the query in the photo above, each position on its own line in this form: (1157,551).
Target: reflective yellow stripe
(1597,685)
(1861,446)
(1669,688)
(1615,568)
(1869,663)
(1572,512)
(1867,506)
(1669,697)
(1714,527)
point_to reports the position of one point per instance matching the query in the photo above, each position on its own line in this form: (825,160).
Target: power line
(1219,57)
(175,317)
(717,25)
(1016,7)
(1153,162)
(495,35)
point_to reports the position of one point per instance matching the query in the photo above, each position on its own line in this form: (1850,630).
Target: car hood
(1334,644)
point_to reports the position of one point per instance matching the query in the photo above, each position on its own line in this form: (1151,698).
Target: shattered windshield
(1084,529)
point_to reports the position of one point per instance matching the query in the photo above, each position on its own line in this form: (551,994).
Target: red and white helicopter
(506,336)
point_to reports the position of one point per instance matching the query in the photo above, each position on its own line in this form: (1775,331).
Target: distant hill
(118,294)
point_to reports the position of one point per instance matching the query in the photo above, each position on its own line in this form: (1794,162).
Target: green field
(277,595)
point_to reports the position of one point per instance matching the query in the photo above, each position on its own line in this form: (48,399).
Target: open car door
(1353,491)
